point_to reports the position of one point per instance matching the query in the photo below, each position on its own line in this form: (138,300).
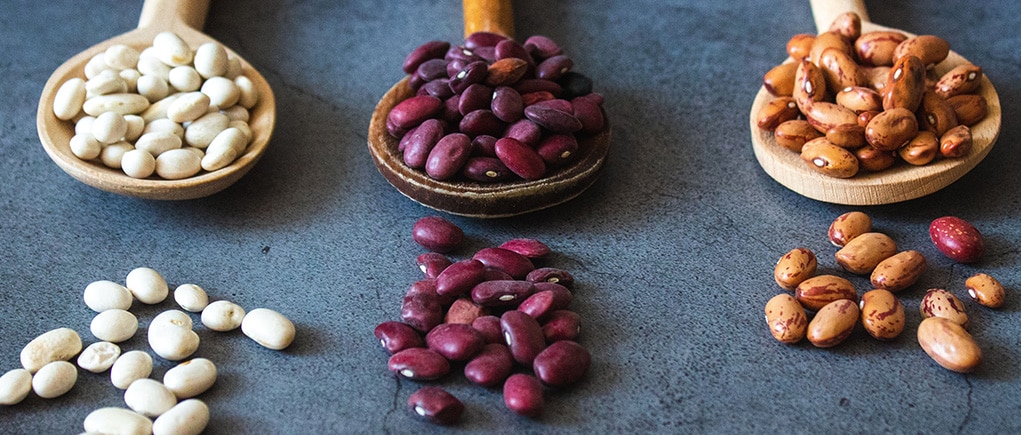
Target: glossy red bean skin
(439,88)
(397,336)
(489,327)
(524,131)
(473,72)
(507,104)
(957,238)
(509,48)
(420,141)
(448,156)
(422,311)
(523,394)
(515,264)
(424,52)
(432,69)
(523,336)
(483,39)
(476,96)
(557,150)
(557,121)
(562,363)
(419,364)
(486,170)
(520,159)
(481,121)
(543,302)
(427,287)
(432,263)
(455,341)
(554,67)
(437,234)
(413,111)
(542,47)
(459,278)
(530,248)
(484,145)
(436,405)
(491,366)
(528,86)
(501,293)
(589,114)
(551,274)
(561,325)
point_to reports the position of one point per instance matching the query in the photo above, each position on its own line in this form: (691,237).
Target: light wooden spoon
(482,200)
(899,183)
(183,18)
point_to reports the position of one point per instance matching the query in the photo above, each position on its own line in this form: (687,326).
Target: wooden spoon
(182,18)
(482,200)
(899,183)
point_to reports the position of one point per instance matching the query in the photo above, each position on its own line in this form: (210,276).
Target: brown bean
(949,344)
(882,314)
(848,226)
(899,271)
(520,159)
(824,115)
(859,99)
(551,274)
(833,323)
(419,364)
(877,77)
(921,150)
(969,108)
(873,160)
(956,238)
(530,248)
(776,112)
(794,267)
(829,159)
(562,363)
(501,293)
(491,366)
(779,80)
(794,134)
(986,290)
(809,84)
(876,48)
(865,117)
(848,25)
(956,142)
(814,293)
(863,253)
(825,41)
(786,319)
(505,72)
(523,336)
(436,405)
(939,302)
(905,84)
(516,265)
(397,336)
(936,114)
(799,47)
(840,70)
(846,135)
(523,394)
(455,341)
(891,129)
(459,278)
(962,79)
(561,325)
(928,48)
(464,310)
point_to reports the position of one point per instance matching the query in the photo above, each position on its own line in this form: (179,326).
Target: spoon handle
(825,11)
(168,14)
(496,16)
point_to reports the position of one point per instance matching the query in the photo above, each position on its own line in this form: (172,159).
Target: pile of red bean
(506,321)
(493,110)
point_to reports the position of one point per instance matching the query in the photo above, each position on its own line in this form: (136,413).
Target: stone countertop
(672,248)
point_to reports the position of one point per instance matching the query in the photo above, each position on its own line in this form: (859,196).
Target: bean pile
(943,331)
(493,110)
(852,101)
(507,322)
(168,109)
(153,407)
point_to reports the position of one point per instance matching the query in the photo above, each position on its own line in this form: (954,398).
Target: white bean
(138,163)
(188,107)
(223,316)
(150,64)
(243,126)
(218,155)
(189,417)
(15,386)
(157,143)
(114,325)
(178,164)
(129,367)
(158,110)
(135,126)
(107,82)
(130,77)
(211,60)
(249,93)
(268,328)
(185,79)
(68,101)
(109,127)
(190,378)
(236,113)
(152,87)
(120,421)
(222,91)
(164,124)
(149,397)
(171,49)
(234,67)
(112,154)
(124,104)
(171,336)
(54,379)
(191,297)
(105,295)
(84,124)
(85,147)
(56,345)
(99,356)
(147,285)
(96,65)
(202,131)
(120,57)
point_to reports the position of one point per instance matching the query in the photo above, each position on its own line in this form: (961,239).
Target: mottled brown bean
(827,40)
(891,129)
(794,267)
(847,136)
(899,271)
(824,115)
(939,302)
(929,49)
(921,150)
(936,114)
(779,80)
(956,142)
(862,254)
(986,290)
(840,70)
(828,159)
(848,25)
(794,134)
(777,111)
(799,47)
(876,48)
(873,160)
(786,319)
(860,99)
(949,344)
(833,323)
(809,85)
(969,108)
(905,84)
(882,314)
(848,226)
(962,79)
(814,293)
(562,363)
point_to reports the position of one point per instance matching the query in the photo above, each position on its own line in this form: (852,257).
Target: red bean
(486,170)
(524,131)
(419,364)
(483,39)
(432,263)
(474,72)
(459,278)
(448,156)
(414,110)
(509,48)
(476,96)
(397,336)
(551,274)
(590,114)
(482,121)
(489,327)
(562,363)
(544,302)
(439,88)
(528,86)
(554,120)
(484,145)
(561,325)
(533,98)
(523,394)
(436,405)
(464,310)
(523,336)
(520,159)
(494,274)
(558,149)
(542,47)
(455,341)
(424,52)
(427,287)
(554,67)
(458,53)
(501,293)
(529,248)
(437,234)
(506,104)
(450,114)
(491,366)
(516,265)
(432,69)
(420,141)
(422,311)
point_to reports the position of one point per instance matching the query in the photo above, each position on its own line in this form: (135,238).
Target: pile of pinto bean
(942,334)
(852,101)
(497,315)
(493,110)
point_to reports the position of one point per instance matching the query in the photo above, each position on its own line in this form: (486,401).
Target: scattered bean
(99,356)
(437,234)
(104,295)
(222,316)
(149,397)
(56,345)
(863,253)
(129,367)
(986,290)
(523,394)
(191,297)
(171,337)
(147,285)
(794,267)
(188,417)
(956,238)
(848,226)
(114,325)
(899,271)
(491,366)
(117,420)
(54,379)
(939,302)
(882,314)
(785,318)
(15,386)
(949,344)
(833,323)
(436,405)
(816,292)
(562,363)
(269,328)
(190,378)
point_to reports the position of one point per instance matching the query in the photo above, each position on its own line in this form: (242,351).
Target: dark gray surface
(673,247)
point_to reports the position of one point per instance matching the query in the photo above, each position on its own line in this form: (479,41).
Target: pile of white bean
(153,407)
(166,110)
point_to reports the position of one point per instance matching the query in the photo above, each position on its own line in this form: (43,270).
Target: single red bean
(458,53)
(506,104)
(557,121)
(520,159)
(419,364)
(482,121)
(558,149)
(476,96)
(562,363)
(437,234)
(397,336)
(483,39)
(551,274)
(487,53)
(515,264)
(424,52)
(554,67)
(525,131)
(523,394)
(459,278)
(422,311)
(523,336)
(394,130)
(542,47)
(589,114)
(591,97)
(529,248)
(439,88)
(557,104)
(494,274)
(464,310)
(501,293)
(436,405)
(450,114)
(432,263)
(403,143)
(508,48)
(486,170)
(484,145)
(432,69)
(489,327)
(474,72)
(421,141)
(544,302)
(491,366)
(455,65)
(957,238)
(561,325)
(448,156)
(412,111)
(528,86)
(455,341)
(415,82)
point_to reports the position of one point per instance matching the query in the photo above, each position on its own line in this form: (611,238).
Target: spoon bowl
(899,183)
(182,18)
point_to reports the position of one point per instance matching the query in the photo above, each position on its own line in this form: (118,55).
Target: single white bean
(99,356)
(222,91)
(234,67)
(198,151)
(249,93)
(149,397)
(211,60)
(69,99)
(164,124)
(129,367)
(185,79)
(189,417)
(159,142)
(171,49)
(107,82)
(190,378)
(84,146)
(202,131)
(235,138)
(147,285)
(191,297)
(218,155)
(84,124)
(171,336)
(135,126)
(113,154)
(223,316)
(178,164)
(130,77)
(54,379)
(152,87)
(124,104)
(150,64)
(105,295)
(120,57)
(120,421)
(109,127)
(158,110)
(243,126)
(56,345)
(96,65)
(114,325)
(15,386)
(138,163)
(236,113)
(187,107)
(268,328)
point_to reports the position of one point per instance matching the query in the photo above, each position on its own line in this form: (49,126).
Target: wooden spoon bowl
(182,18)
(474,199)
(901,182)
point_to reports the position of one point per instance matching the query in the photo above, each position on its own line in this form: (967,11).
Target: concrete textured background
(672,248)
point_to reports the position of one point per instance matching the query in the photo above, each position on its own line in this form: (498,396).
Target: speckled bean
(949,344)
(899,271)
(786,318)
(863,253)
(794,267)
(882,314)
(921,150)
(848,226)
(816,292)
(828,159)
(939,302)
(956,142)
(794,134)
(833,323)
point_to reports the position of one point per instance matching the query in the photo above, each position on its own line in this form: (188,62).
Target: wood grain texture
(496,16)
